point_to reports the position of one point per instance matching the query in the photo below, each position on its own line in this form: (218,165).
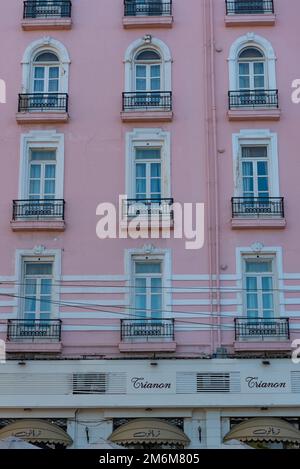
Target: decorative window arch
(158,48)
(262,45)
(43,46)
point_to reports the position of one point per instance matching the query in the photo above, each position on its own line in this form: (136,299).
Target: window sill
(147,116)
(158,346)
(46,117)
(130,22)
(250,20)
(250,114)
(37,225)
(258,223)
(270,343)
(46,347)
(36,24)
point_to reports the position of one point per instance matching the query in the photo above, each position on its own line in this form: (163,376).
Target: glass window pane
(39,72)
(141,71)
(140,170)
(244,83)
(38,268)
(262,168)
(50,188)
(147,153)
(155,170)
(53,72)
(35,171)
(259,68)
(34,187)
(258,266)
(244,69)
(155,71)
(50,171)
(254,152)
(262,184)
(43,155)
(148,268)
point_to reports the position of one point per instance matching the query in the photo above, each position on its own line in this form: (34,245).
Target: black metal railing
(257,206)
(249,7)
(31,329)
(246,328)
(147,329)
(40,102)
(39,209)
(47,9)
(147,100)
(253,98)
(148,207)
(149,8)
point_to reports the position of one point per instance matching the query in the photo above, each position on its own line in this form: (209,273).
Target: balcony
(40,335)
(253,105)
(38,215)
(45,108)
(249,13)
(147,335)
(152,106)
(154,14)
(262,334)
(47,15)
(156,213)
(258,212)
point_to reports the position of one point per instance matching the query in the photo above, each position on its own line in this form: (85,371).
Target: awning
(36,431)
(264,429)
(149,431)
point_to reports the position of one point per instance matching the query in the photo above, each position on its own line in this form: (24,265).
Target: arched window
(148,65)
(251,69)
(45,73)
(147,70)
(45,66)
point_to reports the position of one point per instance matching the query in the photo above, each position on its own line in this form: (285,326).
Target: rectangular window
(148,295)
(148,173)
(259,286)
(42,174)
(255,171)
(37,289)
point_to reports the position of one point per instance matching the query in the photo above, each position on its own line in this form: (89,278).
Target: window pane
(255,152)
(155,170)
(39,72)
(259,68)
(140,170)
(43,155)
(244,69)
(244,83)
(141,71)
(147,153)
(46,57)
(50,171)
(38,268)
(258,266)
(262,168)
(34,187)
(50,188)
(247,168)
(262,184)
(148,268)
(35,171)
(53,72)
(155,71)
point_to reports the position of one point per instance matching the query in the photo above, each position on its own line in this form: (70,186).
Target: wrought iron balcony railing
(47,9)
(249,7)
(34,329)
(257,206)
(147,100)
(148,207)
(258,328)
(147,329)
(43,102)
(39,209)
(148,8)
(253,99)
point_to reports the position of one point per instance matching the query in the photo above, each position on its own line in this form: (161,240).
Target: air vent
(295,381)
(213,382)
(192,383)
(89,383)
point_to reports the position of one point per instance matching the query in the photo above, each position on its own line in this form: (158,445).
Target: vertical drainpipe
(216,175)
(212,174)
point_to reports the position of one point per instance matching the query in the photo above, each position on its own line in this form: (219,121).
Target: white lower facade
(206,398)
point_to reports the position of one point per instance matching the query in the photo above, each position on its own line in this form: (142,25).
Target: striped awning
(140,431)
(264,429)
(36,431)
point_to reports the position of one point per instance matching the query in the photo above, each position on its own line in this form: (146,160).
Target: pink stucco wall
(95,163)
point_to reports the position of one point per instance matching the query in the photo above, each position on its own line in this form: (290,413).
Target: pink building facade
(143,105)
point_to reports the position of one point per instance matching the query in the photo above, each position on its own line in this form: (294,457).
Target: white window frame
(37,260)
(38,253)
(148,253)
(166,62)
(272,274)
(43,45)
(258,249)
(258,42)
(258,137)
(148,138)
(47,140)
